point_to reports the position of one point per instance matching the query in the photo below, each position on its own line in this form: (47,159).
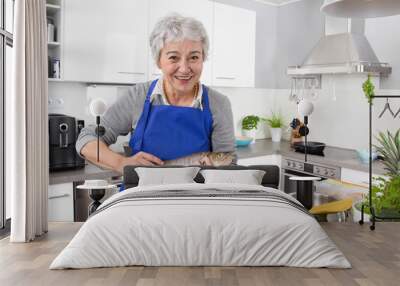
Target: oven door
(290,186)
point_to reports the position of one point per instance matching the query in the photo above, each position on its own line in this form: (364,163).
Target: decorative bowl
(363,154)
(242,141)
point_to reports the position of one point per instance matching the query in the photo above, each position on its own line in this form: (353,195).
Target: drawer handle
(131,72)
(58,196)
(225,77)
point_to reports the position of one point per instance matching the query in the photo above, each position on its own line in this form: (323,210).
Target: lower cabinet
(356,177)
(82,201)
(262,160)
(61,202)
(68,204)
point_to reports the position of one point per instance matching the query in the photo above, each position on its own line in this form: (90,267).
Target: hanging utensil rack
(373,215)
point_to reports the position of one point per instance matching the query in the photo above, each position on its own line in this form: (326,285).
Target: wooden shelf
(53,44)
(54,79)
(52,9)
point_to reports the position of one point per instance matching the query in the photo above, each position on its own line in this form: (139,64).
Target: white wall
(300,25)
(246,101)
(340,116)
(383,35)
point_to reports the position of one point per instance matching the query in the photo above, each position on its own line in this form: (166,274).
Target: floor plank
(374,255)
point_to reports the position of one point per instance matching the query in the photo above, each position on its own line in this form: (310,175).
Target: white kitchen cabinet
(261,160)
(233,46)
(356,177)
(201,10)
(105,41)
(54,14)
(61,202)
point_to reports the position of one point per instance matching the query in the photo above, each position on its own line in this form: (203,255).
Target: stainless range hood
(343,49)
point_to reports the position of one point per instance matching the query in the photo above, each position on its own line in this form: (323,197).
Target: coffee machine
(63,132)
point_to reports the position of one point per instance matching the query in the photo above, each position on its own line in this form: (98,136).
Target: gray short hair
(175,27)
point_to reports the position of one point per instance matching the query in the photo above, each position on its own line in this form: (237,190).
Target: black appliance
(313,148)
(303,190)
(63,132)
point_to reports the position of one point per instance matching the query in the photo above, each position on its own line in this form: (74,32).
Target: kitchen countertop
(340,157)
(89,172)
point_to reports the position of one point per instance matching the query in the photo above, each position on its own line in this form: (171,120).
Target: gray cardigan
(124,114)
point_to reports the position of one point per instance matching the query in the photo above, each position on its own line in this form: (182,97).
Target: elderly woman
(173,116)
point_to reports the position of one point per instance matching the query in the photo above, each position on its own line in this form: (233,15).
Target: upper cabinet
(105,41)
(201,10)
(108,41)
(234,46)
(54,36)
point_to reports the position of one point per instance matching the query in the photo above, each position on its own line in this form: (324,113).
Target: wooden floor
(374,255)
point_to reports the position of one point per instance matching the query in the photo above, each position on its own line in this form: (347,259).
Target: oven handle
(298,174)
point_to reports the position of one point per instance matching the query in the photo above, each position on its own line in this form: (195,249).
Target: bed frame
(270,179)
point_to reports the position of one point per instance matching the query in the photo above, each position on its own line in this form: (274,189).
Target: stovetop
(316,169)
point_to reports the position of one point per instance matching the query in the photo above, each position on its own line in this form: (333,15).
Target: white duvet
(183,231)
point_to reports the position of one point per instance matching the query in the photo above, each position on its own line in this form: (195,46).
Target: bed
(201,224)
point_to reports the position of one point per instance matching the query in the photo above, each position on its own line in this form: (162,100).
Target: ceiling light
(361,8)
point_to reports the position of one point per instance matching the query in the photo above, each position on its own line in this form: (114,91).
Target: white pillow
(166,176)
(248,177)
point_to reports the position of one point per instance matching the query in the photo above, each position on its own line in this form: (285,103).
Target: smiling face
(181,63)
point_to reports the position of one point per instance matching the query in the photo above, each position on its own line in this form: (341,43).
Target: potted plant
(250,124)
(385,196)
(389,149)
(385,192)
(276,123)
(368,88)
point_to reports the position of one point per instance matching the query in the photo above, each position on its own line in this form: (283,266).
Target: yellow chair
(339,207)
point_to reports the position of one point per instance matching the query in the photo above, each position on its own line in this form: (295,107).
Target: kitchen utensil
(303,130)
(313,91)
(295,122)
(293,91)
(315,148)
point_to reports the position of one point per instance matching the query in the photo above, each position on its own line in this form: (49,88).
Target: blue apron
(170,132)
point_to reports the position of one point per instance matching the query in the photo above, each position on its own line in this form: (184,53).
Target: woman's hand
(141,158)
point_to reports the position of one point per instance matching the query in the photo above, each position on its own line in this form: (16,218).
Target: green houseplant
(385,196)
(389,149)
(250,125)
(385,192)
(250,122)
(368,88)
(276,123)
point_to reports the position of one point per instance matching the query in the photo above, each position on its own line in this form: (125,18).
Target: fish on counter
(215,159)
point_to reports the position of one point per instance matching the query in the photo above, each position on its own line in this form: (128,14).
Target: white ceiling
(277,2)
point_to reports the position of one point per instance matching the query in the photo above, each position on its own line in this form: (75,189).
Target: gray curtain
(27,123)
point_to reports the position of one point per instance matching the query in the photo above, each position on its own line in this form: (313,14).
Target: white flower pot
(276,134)
(357,214)
(250,133)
